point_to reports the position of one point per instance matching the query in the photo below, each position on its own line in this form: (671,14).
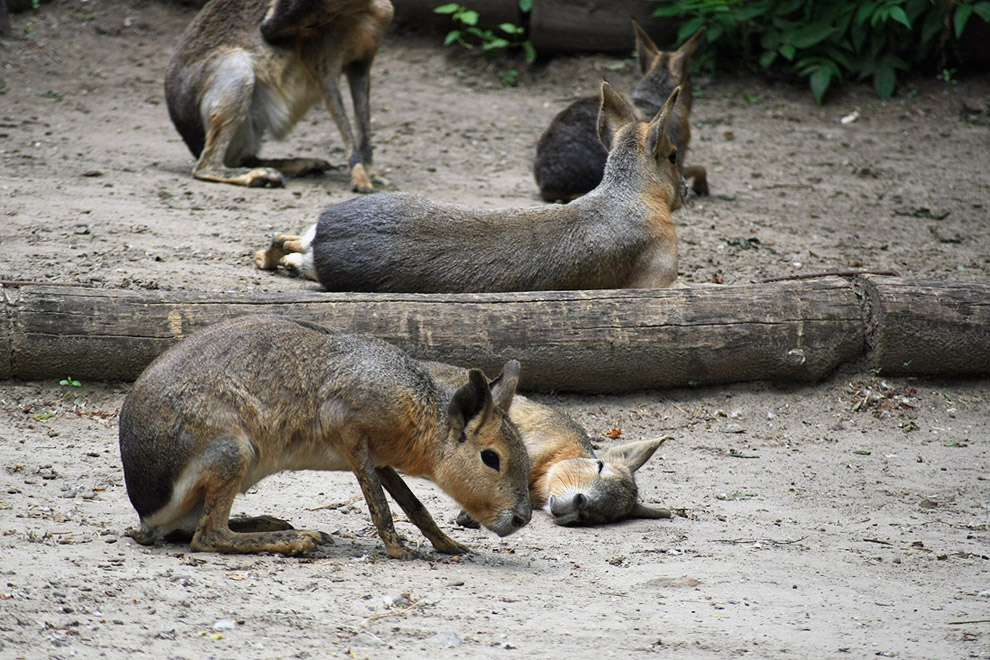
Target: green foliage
(70,381)
(825,41)
(468,34)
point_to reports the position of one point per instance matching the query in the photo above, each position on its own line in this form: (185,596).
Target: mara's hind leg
(418,513)
(294,167)
(218,483)
(281,245)
(258,524)
(225,109)
(291,252)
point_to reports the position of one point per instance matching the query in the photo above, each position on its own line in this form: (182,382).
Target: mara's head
(663,67)
(485,466)
(641,150)
(594,491)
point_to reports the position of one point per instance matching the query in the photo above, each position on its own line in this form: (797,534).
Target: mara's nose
(560,506)
(523,514)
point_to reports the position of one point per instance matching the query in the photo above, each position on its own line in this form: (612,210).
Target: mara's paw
(264,177)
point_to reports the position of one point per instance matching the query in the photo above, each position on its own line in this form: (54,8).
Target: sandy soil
(844,519)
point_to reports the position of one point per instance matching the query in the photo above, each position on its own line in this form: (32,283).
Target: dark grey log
(584,341)
(924,327)
(595,25)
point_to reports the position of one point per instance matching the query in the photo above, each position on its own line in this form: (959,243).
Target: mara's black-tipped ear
(634,454)
(504,387)
(658,127)
(613,113)
(680,64)
(646,51)
(471,401)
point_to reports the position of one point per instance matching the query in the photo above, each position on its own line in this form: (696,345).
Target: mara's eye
(490,458)
(601,466)
(673,157)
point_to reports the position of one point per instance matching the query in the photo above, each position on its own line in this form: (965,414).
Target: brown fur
(245,68)
(567,476)
(247,398)
(570,159)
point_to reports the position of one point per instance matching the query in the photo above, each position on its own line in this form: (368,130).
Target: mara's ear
(658,127)
(504,387)
(471,401)
(646,51)
(680,64)
(634,454)
(613,113)
(643,511)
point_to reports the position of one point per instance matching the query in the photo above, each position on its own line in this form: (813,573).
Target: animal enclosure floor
(843,519)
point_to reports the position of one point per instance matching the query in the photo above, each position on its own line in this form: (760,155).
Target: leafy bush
(827,41)
(468,34)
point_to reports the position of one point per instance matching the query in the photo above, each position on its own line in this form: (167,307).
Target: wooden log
(4,19)
(583,341)
(923,327)
(595,25)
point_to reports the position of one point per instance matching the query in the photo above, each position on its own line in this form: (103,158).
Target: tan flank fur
(621,235)
(257,395)
(249,68)
(570,160)
(576,485)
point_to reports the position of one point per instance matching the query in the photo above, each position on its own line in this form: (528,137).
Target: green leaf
(898,15)
(932,24)
(960,18)
(468,17)
(509,28)
(748,13)
(767,59)
(451,37)
(982,9)
(495,44)
(864,13)
(673,9)
(811,35)
(525,6)
(529,52)
(820,81)
(788,51)
(884,81)
(447,9)
(691,26)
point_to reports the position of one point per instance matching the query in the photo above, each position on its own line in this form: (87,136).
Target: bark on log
(595,25)
(931,328)
(583,341)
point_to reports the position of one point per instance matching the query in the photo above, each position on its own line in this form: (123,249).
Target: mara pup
(620,235)
(570,159)
(567,477)
(247,398)
(247,68)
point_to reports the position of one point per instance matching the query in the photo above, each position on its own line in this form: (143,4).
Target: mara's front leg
(360,180)
(359,458)
(418,513)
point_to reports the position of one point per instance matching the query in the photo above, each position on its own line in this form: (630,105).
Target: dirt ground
(843,519)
